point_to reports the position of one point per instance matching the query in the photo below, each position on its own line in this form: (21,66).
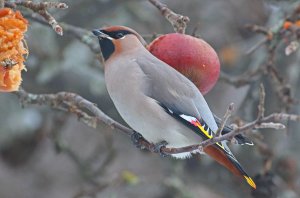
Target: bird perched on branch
(158,102)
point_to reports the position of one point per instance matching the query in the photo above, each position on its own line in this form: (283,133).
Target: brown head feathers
(114,39)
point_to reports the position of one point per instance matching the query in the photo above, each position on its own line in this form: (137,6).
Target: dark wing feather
(218,151)
(197,126)
(175,91)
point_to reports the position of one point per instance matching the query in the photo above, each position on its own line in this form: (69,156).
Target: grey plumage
(156,100)
(174,90)
(139,82)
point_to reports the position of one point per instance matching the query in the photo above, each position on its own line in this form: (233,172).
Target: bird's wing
(198,126)
(175,91)
(219,151)
(183,101)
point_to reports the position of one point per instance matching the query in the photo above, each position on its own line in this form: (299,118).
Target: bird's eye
(120,35)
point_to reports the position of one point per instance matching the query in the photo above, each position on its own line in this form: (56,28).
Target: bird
(156,101)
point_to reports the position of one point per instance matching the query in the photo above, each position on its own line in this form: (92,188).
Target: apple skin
(192,57)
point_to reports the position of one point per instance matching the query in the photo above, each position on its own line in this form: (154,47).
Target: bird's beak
(101,35)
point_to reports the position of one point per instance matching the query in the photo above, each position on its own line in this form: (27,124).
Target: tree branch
(41,9)
(81,107)
(179,22)
(72,103)
(79,33)
(283,31)
(243,79)
(261,105)
(225,118)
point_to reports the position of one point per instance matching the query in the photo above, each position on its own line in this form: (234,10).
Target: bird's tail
(226,159)
(217,151)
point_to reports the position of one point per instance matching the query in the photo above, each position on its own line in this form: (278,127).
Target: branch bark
(225,118)
(72,103)
(179,22)
(41,9)
(88,113)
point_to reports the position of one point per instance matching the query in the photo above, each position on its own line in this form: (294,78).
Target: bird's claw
(157,148)
(135,138)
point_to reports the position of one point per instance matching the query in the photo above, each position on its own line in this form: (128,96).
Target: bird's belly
(139,117)
(156,125)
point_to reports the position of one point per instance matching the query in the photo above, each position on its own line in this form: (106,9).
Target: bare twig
(286,30)
(272,125)
(69,101)
(243,79)
(261,105)
(41,9)
(224,120)
(179,22)
(81,34)
(273,38)
(261,30)
(282,88)
(257,45)
(266,121)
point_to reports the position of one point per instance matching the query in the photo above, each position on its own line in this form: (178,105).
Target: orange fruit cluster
(12,49)
(288,24)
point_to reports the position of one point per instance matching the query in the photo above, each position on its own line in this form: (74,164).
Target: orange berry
(287,25)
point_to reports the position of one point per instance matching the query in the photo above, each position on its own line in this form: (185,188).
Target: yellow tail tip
(250,181)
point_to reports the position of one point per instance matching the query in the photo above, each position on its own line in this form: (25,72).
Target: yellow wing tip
(250,181)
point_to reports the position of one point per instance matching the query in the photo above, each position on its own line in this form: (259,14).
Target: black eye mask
(116,34)
(106,44)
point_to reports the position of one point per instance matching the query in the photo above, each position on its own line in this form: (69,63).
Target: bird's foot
(157,148)
(136,139)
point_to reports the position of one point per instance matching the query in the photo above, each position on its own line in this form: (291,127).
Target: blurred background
(47,153)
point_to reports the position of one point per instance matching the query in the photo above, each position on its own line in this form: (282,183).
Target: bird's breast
(125,84)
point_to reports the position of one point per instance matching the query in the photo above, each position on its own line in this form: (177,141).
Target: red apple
(193,57)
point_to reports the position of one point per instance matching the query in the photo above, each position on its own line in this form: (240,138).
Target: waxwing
(157,101)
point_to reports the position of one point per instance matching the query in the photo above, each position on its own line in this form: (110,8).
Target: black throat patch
(107,48)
